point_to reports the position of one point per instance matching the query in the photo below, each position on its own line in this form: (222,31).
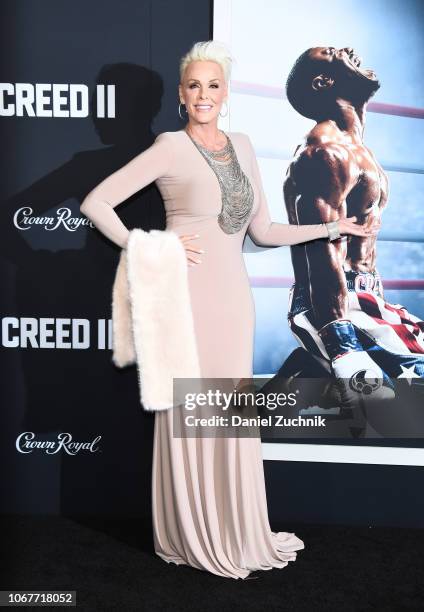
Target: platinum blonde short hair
(211,51)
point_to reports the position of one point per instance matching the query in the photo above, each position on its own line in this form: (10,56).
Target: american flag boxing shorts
(393,337)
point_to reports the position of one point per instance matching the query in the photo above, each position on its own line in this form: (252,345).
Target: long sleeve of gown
(99,204)
(265,232)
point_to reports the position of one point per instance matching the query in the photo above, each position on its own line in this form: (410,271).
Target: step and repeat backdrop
(84,88)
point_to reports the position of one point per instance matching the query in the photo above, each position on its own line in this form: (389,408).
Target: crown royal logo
(26,443)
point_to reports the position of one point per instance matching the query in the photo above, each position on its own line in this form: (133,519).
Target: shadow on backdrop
(68,272)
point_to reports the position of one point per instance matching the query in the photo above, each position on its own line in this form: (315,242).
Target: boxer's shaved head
(298,86)
(321,74)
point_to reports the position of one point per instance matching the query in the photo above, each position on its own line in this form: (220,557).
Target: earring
(179,110)
(226,109)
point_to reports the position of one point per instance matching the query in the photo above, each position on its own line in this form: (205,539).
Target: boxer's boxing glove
(359,377)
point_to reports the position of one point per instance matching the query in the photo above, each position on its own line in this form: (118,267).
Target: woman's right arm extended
(99,204)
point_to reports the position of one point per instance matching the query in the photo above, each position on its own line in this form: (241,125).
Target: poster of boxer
(330,96)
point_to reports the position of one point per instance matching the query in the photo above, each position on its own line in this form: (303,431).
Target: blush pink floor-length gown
(208,494)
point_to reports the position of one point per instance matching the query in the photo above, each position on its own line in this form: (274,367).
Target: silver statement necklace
(236,190)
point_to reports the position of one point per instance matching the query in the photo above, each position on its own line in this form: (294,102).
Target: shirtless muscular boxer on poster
(333,175)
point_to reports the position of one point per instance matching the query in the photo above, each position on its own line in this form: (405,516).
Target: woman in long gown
(208,493)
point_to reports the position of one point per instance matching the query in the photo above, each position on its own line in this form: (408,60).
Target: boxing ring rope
(390,236)
(285,282)
(268,91)
(388,166)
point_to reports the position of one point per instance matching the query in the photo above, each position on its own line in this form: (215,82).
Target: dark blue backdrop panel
(57,375)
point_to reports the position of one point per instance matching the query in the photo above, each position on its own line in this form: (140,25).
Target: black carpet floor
(112,566)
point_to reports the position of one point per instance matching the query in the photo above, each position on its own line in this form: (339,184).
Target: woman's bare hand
(189,248)
(350,226)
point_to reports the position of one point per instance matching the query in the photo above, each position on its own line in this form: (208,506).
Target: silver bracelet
(333,230)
